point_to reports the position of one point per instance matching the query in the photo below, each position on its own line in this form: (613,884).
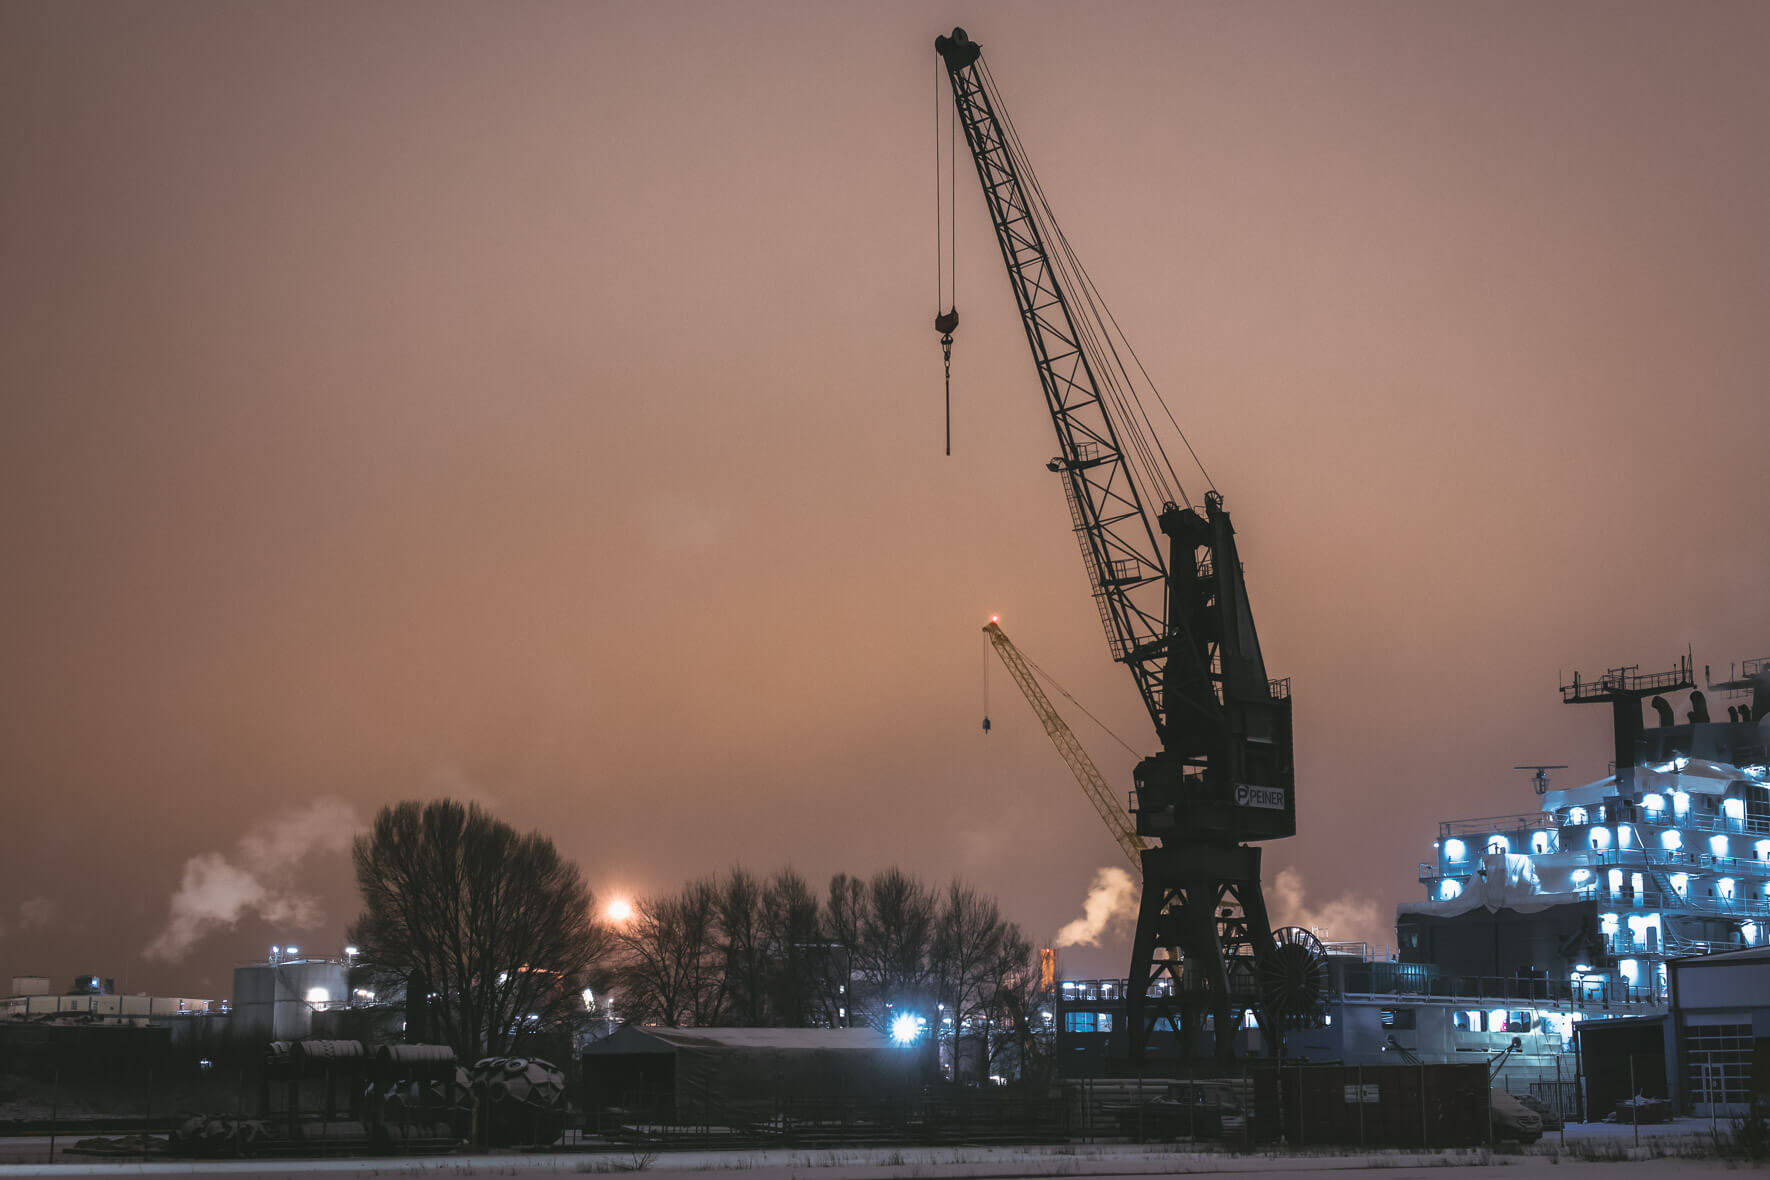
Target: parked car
(1550,1116)
(1514,1120)
(1190,1110)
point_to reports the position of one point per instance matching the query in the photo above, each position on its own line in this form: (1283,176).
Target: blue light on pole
(905,1028)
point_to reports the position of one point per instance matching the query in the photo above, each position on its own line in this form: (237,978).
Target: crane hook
(944,323)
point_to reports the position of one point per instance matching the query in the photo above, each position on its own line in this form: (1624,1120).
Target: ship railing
(1681,858)
(1694,821)
(1657,899)
(1499,825)
(1481,992)
(1636,815)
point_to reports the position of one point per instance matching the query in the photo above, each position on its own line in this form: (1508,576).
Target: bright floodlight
(904,1029)
(619,910)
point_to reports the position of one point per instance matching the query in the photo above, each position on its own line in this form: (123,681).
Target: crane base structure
(1202,937)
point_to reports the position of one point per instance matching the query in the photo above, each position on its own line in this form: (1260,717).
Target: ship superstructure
(1667,856)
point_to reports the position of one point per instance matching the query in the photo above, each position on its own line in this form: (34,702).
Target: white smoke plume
(1344,919)
(34,912)
(1112,897)
(216,890)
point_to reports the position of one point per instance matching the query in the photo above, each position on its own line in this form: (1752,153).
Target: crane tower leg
(1201,928)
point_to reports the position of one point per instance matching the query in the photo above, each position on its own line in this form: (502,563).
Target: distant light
(1455,849)
(995,618)
(318,995)
(350,952)
(904,1028)
(292,950)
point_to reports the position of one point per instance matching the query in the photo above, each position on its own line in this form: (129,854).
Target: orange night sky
(538,404)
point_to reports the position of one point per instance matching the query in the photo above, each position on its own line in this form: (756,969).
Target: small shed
(738,1075)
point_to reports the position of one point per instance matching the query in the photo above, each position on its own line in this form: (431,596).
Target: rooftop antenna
(1540,780)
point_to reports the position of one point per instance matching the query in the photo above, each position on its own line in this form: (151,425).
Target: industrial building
(277,1000)
(94,999)
(720,1074)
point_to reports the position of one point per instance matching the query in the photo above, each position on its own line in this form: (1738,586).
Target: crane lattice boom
(1117,821)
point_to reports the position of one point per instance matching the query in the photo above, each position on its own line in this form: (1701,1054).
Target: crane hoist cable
(1098,330)
(946,250)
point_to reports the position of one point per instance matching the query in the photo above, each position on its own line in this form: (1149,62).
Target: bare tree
(891,950)
(744,946)
(982,966)
(669,969)
(801,955)
(491,928)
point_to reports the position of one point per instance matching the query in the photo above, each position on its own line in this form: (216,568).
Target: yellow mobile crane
(1117,821)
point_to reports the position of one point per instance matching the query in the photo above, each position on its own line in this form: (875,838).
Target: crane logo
(1248,795)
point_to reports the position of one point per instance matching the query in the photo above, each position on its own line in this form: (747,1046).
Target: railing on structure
(1476,989)
(1519,823)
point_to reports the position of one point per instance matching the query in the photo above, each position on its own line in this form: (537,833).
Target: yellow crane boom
(1111,813)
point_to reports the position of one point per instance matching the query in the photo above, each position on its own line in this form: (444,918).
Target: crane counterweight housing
(1170,592)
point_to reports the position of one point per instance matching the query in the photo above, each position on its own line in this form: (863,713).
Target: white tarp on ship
(1505,881)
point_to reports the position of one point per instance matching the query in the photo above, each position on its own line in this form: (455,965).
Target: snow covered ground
(1541,1162)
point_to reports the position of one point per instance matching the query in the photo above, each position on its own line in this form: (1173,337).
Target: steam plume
(1345,919)
(1112,896)
(216,891)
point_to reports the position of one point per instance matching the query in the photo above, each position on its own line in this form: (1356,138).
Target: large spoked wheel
(1293,977)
